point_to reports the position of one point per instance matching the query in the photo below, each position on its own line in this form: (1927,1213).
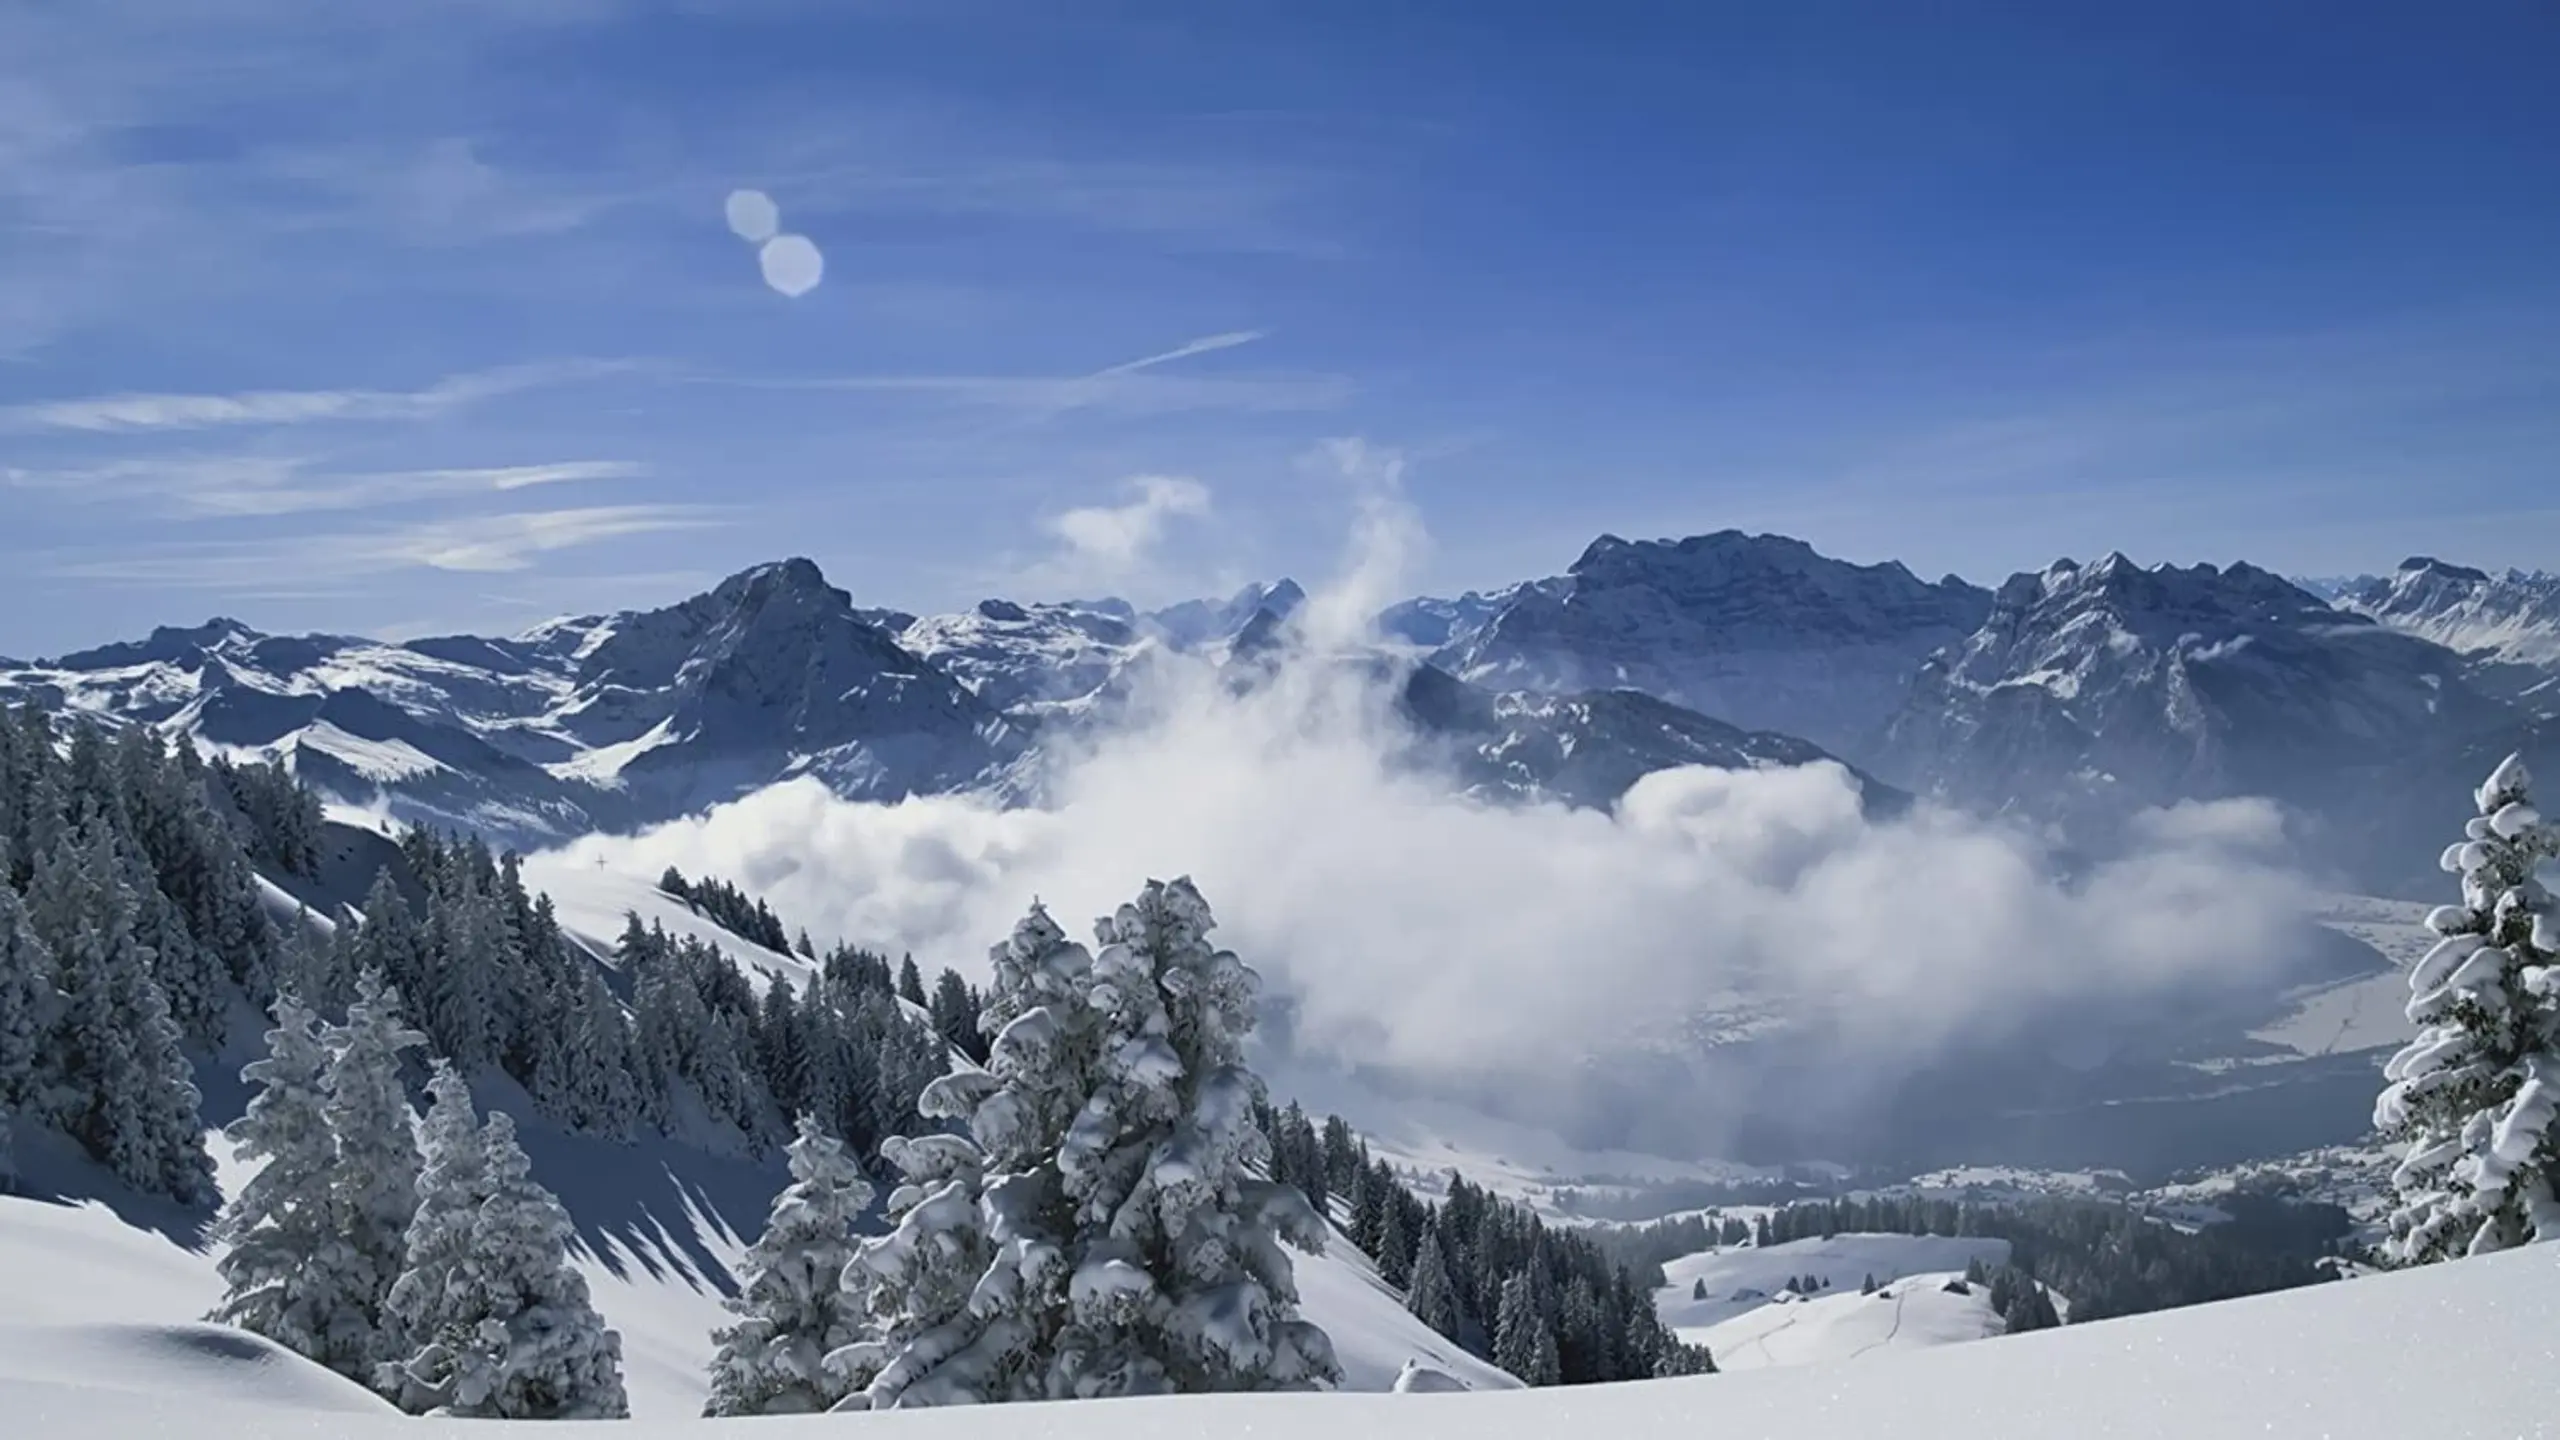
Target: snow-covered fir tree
(1433,1295)
(929,1335)
(511,1333)
(1136,1249)
(285,1262)
(792,1308)
(120,1080)
(453,1183)
(374,1187)
(964,1296)
(2475,1097)
(28,1006)
(1160,1165)
(1522,1342)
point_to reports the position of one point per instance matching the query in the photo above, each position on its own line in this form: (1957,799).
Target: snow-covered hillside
(1743,1280)
(2513,618)
(1915,1312)
(1034,661)
(113,1286)
(2358,1359)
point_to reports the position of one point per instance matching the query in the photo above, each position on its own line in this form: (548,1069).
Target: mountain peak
(2429,565)
(796,575)
(166,644)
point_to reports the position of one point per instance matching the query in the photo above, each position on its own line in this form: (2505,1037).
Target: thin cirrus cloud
(484,544)
(142,412)
(1131,387)
(262,486)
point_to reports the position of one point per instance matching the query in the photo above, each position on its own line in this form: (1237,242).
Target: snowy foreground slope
(108,1292)
(2366,1358)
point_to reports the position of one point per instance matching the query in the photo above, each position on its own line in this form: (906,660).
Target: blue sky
(426,314)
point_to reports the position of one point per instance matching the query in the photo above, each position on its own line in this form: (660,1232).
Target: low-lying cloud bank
(1417,928)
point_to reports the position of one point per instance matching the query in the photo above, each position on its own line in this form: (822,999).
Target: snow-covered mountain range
(608,722)
(1757,630)
(2074,695)
(2093,690)
(2507,626)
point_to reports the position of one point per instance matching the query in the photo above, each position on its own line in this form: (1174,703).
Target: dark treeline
(1633,1200)
(733,910)
(953,1002)
(1547,1305)
(129,919)
(134,935)
(493,981)
(2108,1259)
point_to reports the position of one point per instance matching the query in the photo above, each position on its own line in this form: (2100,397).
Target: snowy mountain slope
(1426,1139)
(2092,691)
(2512,618)
(1430,622)
(593,903)
(1587,748)
(1913,1312)
(1373,1334)
(1756,630)
(1032,660)
(576,725)
(1210,624)
(1745,1279)
(2359,1359)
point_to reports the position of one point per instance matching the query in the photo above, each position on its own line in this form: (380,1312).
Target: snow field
(2351,1360)
(1745,1279)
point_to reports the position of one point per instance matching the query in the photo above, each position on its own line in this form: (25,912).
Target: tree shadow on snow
(54,1170)
(654,1203)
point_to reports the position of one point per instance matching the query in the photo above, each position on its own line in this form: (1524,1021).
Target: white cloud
(257,485)
(480,544)
(1131,387)
(509,542)
(1412,927)
(1106,544)
(112,414)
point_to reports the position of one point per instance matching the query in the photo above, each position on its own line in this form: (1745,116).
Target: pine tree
(121,1082)
(513,1335)
(28,1010)
(910,982)
(793,1310)
(2476,1097)
(926,1339)
(1517,1330)
(1433,1298)
(1135,1250)
(955,1015)
(438,1248)
(285,1255)
(1179,1280)
(376,1181)
(1698,1289)
(931,1342)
